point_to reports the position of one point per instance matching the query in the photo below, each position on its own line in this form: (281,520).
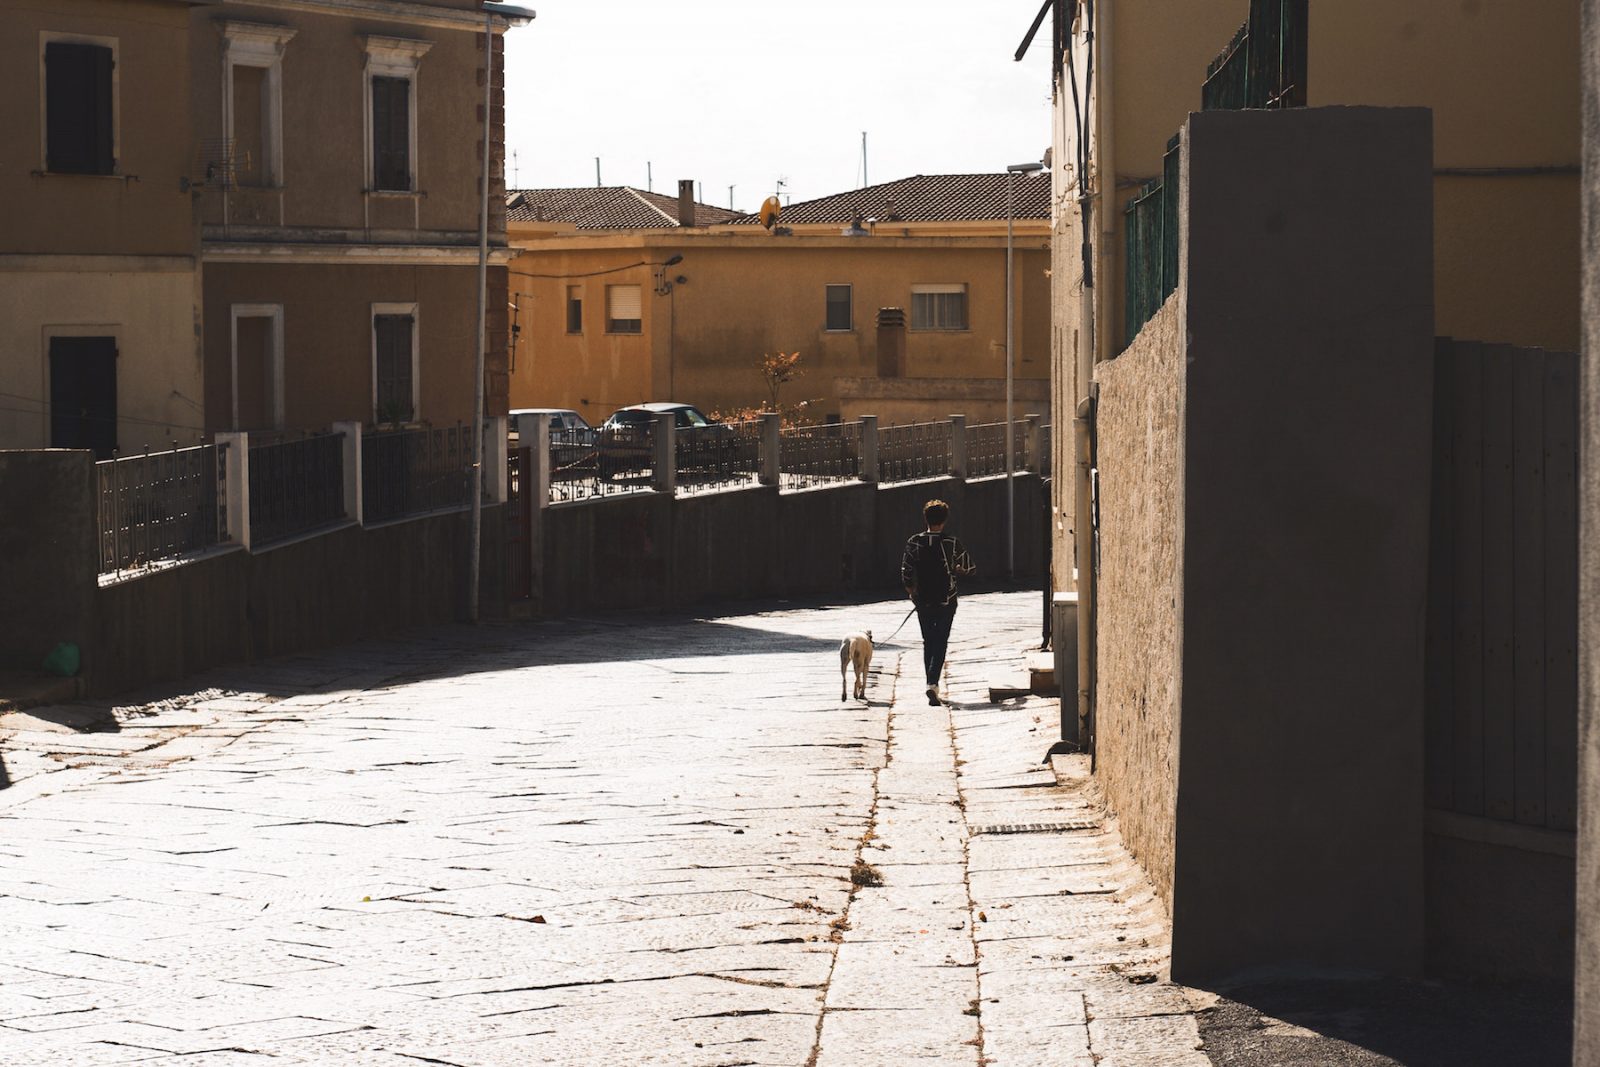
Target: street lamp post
(509,13)
(1011,452)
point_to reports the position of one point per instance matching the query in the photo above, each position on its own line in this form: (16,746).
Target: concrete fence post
(236,486)
(1038,446)
(665,464)
(771,442)
(497,473)
(869,448)
(353,496)
(958,447)
(533,432)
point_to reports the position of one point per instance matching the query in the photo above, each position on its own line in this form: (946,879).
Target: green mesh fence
(1151,262)
(1264,66)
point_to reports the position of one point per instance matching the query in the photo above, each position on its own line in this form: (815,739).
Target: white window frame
(261,45)
(391,57)
(838,285)
(942,288)
(416,355)
(257,311)
(48,37)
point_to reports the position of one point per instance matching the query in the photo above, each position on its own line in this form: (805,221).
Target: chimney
(686,202)
(891,343)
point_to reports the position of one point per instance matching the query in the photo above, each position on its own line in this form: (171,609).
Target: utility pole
(597,172)
(649,178)
(730,198)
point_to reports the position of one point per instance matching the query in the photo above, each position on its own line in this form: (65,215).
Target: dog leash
(902,625)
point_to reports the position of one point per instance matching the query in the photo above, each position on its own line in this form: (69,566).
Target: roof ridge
(651,206)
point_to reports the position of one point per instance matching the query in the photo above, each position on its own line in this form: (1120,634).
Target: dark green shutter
(78,109)
(391,133)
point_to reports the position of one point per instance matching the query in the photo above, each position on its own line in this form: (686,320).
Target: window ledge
(407,194)
(73,174)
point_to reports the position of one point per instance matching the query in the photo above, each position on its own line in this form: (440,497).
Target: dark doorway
(83,394)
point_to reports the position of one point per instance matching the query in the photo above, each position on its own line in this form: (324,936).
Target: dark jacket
(930,566)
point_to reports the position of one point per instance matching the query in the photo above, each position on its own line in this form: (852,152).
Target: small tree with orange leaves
(779,369)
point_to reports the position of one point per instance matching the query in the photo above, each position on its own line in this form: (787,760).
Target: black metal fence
(986,448)
(724,455)
(157,506)
(915,450)
(819,455)
(412,472)
(1264,66)
(295,487)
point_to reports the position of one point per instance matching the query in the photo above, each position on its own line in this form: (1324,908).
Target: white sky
(742,93)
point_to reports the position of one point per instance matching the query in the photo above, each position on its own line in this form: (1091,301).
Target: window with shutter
(624,309)
(938,307)
(391,133)
(79,109)
(395,382)
(839,307)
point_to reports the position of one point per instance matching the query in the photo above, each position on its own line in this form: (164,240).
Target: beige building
(99,296)
(337,147)
(624,296)
(1505,154)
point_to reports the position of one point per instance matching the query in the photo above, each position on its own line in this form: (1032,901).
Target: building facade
(339,148)
(610,312)
(99,277)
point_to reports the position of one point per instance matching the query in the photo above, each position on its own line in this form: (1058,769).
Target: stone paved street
(607,841)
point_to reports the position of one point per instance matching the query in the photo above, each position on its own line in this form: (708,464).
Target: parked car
(625,441)
(565,423)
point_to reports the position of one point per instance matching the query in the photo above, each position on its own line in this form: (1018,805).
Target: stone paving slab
(618,841)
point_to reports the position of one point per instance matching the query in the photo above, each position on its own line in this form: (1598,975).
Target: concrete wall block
(869,448)
(958,446)
(1307,292)
(352,468)
(49,554)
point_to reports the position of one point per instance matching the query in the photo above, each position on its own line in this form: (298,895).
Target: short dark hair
(935,512)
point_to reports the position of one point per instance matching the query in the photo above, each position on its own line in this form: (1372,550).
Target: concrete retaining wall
(652,551)
(48,553)
(323,591)
(1587,1041)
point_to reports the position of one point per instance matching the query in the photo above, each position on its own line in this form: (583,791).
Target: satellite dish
(769,211)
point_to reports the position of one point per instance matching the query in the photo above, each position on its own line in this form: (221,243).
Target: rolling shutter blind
(391,133)
(625,302)
(78,108)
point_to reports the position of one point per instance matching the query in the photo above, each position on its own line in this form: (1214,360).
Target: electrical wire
(44,409)
(589,274)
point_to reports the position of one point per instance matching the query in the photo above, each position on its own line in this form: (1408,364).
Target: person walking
(929,567)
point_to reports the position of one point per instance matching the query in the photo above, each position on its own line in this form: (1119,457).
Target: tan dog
(855,651)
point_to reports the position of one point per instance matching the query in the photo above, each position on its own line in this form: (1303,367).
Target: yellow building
(623,296)
(338,150)
(1501,79)
(99,298)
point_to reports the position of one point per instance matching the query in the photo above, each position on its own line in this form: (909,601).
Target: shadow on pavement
(1385,1022)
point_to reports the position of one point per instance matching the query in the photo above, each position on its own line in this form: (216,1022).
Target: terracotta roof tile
(924,198)
(612,207)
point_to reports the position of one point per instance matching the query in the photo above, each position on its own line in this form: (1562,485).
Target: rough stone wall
(1587,1040)
(1139,589)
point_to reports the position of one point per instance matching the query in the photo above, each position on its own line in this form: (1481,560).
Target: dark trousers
(935,620)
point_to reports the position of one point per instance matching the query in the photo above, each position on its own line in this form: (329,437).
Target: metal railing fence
(724,455)
(819,455)
(585,464)
(295,487)
(411,472)
(158,506)
(986,448)
(914,450)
